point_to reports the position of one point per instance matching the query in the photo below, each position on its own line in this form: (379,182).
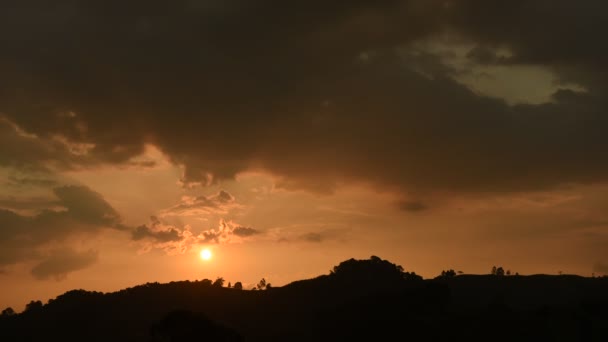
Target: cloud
(176,240)
(27,204)
(312,237)
(86,205)
(32,181)
(143,232)
(227,232)
(219,203)
(340,94)
(318,236)
(413,206)
(78,209)
(31,153)
(157,232)
(62,262)
(245,231)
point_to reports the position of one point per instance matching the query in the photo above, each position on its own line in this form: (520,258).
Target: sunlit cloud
(174,240)
(218,204)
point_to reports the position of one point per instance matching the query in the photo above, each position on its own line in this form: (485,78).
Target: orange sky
(302,234)
(289,136)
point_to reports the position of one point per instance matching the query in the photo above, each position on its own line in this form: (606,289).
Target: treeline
(370,299)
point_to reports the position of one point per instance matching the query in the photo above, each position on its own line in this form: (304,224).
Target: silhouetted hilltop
(525,292)
(372,299)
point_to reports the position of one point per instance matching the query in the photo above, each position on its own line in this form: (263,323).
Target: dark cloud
(319,93)
(79,210)
(62,262)
(34,203)
(320,236)
(312,237)
(245,231)
(27,152)
(161,236)
(219,203)
(32,181)
(86,205)
(413,206)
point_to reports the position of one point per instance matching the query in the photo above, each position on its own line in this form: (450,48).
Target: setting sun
(206,254)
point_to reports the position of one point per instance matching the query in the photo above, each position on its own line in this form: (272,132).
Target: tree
(508,272)
(8,312)
(372,273)
(33,306)
(219,282)
(238,285)
(448,274)
(229,285)
(493,270)
(500,272)
(262,284)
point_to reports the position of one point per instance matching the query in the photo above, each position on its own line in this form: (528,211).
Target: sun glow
(206,254)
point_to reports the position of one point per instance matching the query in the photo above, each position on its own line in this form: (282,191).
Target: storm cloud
(157,232)
(219,203)
(80,210)
(62,262)
(318,94)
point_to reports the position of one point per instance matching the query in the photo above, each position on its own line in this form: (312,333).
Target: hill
(359,299)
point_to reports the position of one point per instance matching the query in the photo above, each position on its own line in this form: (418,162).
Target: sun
(206,254)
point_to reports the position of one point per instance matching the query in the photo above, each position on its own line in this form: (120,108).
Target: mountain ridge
(359,298)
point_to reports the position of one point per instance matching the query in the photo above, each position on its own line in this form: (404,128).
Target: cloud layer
(77,211)
(61,262)
(316,93)
(219,203)
(176,240)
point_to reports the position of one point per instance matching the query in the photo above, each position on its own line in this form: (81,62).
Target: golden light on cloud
(206,254)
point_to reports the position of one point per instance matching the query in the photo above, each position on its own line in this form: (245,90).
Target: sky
(288,136)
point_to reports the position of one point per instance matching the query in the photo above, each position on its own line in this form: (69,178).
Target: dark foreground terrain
(371,300)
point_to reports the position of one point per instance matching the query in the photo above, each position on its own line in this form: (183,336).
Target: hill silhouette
(359,299)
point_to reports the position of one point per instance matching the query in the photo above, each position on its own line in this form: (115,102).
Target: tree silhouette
(229,285)
(219,282)
(372,272)
(448,274)
(499,271)
(33,306)
(262,284)
(354,302)
(8,312)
